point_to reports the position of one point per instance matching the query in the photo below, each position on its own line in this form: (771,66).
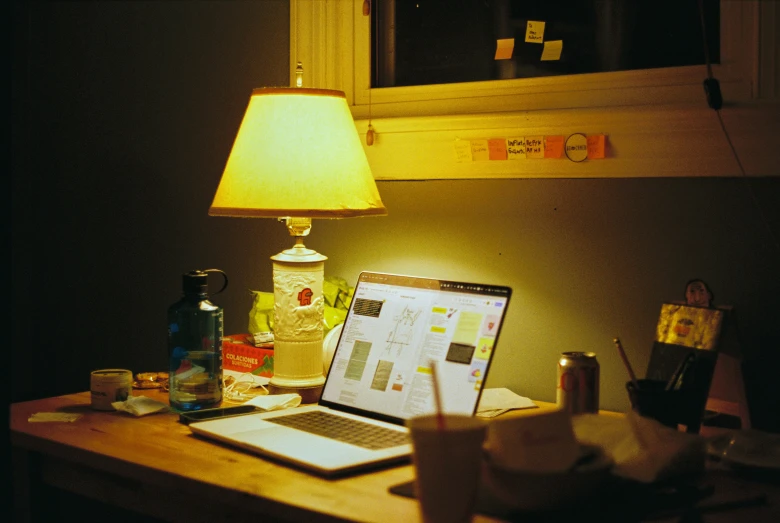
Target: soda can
(578,382)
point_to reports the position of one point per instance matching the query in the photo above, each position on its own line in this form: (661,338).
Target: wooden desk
(154,465)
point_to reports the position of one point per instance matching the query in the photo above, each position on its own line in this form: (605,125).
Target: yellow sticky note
(595,146)
(552,50)
(534,32)
(504,48)
(515,148)
(553,146)
(462,151)
(534,146)
(497,148)
(479,150)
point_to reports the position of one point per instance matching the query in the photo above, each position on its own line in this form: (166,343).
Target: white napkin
(642,448)
(140,406)
(275,401)
(497,401)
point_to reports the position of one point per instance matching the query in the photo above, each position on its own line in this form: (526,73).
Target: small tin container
(578,382)
(108,386)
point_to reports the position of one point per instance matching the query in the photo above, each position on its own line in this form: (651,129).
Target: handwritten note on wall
(523,147)
(534,32)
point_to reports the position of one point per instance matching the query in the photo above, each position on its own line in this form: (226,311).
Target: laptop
(380,375)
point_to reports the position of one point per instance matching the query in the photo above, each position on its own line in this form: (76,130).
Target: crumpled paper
(275,401)
(140,406)
(642,448)
(336,292)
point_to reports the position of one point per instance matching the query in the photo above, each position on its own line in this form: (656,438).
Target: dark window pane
(444,41)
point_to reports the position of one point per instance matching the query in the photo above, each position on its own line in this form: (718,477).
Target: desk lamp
(297,156)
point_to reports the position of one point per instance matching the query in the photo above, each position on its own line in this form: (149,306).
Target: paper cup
(447,462)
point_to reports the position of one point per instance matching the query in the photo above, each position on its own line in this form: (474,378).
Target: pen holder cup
(651,400)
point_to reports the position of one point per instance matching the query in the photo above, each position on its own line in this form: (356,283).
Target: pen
(677,378)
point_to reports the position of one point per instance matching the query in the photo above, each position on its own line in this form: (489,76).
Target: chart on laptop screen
(396,326)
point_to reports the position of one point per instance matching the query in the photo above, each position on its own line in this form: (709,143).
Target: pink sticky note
(595,146)
(553,146)
(497,148)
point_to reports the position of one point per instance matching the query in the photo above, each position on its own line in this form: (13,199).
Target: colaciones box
(240,355)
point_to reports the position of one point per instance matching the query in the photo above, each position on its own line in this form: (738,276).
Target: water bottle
(195,345)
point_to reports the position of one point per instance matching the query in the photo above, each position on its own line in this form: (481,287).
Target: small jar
(108,386)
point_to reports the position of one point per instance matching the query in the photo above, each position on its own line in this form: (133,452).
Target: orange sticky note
(504,48)
(497,148)
(534,146)
(595,146)
(553,146)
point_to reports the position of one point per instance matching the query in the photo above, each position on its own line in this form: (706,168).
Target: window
(440,41)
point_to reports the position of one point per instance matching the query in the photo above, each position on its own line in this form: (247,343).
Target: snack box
(239,354)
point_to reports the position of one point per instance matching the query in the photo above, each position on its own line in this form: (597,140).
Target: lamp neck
(298,253)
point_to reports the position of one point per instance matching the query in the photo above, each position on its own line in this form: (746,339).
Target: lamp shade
(297,153)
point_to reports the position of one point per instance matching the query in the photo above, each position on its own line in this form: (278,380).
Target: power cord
(715,102)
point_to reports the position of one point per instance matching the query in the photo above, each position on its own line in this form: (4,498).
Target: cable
(715,102)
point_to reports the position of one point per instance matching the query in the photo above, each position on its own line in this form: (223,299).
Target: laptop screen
(395,327)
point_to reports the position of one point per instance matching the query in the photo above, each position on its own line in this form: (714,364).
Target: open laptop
(380,374)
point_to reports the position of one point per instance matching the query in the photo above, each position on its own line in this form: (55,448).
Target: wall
(124,116)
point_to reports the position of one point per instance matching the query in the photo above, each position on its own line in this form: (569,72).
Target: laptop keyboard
(344,429)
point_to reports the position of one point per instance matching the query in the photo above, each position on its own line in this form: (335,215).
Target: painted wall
(124,114)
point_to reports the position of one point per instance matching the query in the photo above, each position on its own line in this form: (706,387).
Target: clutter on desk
(243,386)
(109,385)
(540,441)
(577,385)
(140,406)
(642,448)
(151,380)
(241,353)
(195,332)
(495,401)
(748,450)
(49,417)
(275,401)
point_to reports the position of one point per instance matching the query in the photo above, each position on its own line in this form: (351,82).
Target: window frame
(331,38)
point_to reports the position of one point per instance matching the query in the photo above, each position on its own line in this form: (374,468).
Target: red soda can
(578,382)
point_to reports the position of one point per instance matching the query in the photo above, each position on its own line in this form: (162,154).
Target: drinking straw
(437,397)
(626,363)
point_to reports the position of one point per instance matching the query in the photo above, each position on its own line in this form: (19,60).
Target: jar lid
(110,375)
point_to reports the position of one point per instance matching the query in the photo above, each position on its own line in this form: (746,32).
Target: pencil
(625,362)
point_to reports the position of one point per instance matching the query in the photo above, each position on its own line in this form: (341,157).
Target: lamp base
(308,394)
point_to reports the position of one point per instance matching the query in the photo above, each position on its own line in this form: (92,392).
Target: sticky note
(534,146)
(504,48)
(595,146)
(552,50)
(497,148)
(462,151)
(515,148)
(534,32)
(553,146)
(479,150)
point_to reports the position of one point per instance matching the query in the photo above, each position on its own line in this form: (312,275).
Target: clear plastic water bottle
(195,345)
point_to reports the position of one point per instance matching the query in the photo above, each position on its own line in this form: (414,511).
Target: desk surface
(147,463)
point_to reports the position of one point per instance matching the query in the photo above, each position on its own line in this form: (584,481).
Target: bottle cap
(195,282)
